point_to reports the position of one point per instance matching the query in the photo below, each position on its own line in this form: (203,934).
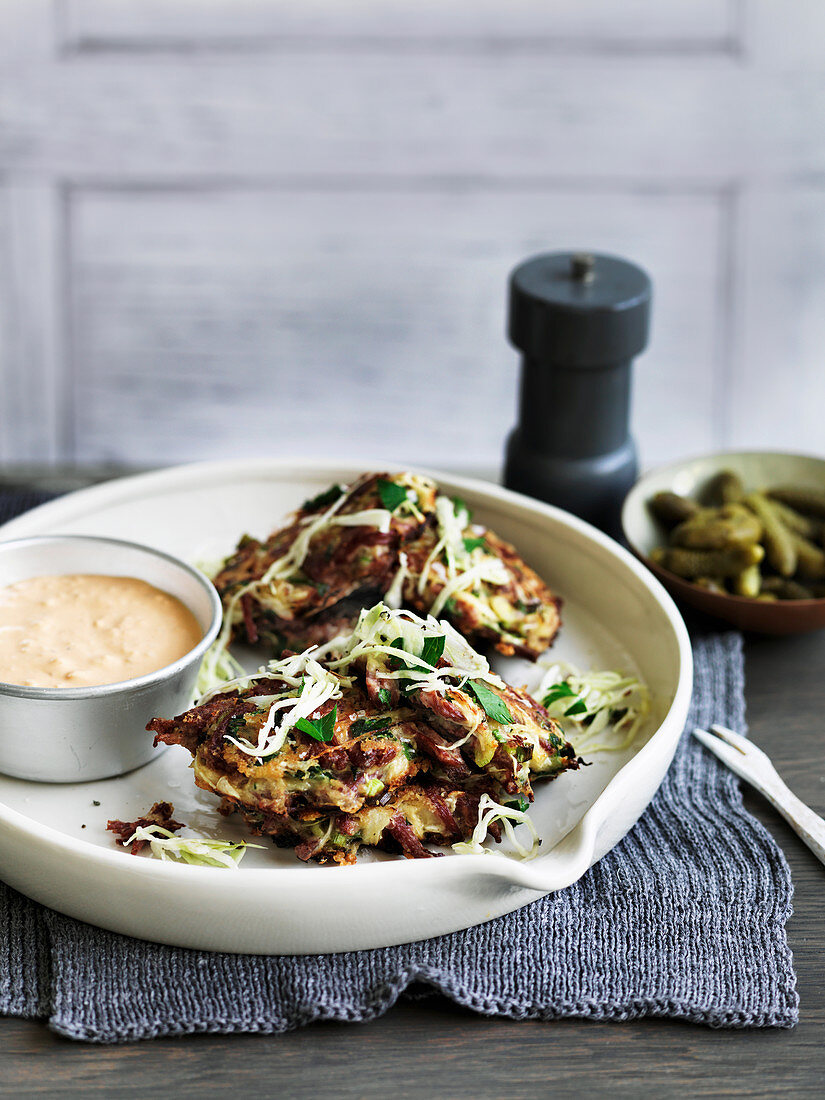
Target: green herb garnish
(319,728)
(471,544)
(557,691)
(392,495)
(384,696)
(493,706)
(579,707)
(324,499)
(521,804)
(369,725)
(433,649)
(522,752)
(235,725)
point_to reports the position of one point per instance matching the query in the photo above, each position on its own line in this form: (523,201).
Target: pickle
(725,488)
(718,529)
(792,590)
(784,589)
(712,584)
(811,502)
(748,582)
(709,563)
(777,539)
(810,559)
(794,521)
(670,508)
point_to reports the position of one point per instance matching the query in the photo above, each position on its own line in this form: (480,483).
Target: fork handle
(809,826)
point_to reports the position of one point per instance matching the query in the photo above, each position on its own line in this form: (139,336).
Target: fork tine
(730,754)
(736,740)
(705,737)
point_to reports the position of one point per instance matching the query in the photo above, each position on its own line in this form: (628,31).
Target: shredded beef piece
(401,831)
(371,758)
(160,814)
(189,729)
(443,811)
(248,620)
(434,745)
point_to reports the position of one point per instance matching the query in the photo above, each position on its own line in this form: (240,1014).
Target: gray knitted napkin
(684,919)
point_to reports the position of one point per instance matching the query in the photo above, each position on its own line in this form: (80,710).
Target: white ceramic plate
(53,843)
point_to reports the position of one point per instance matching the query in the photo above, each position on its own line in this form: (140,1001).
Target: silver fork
(752,765)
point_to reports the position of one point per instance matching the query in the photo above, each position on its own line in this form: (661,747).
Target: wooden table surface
(431,1048)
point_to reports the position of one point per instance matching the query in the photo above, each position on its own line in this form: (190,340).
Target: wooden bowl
(758,470)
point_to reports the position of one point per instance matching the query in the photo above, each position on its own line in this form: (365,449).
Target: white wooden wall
(233,227)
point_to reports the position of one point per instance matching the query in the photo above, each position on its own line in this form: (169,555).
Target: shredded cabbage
(165,845)
(595,702)
(381,626)
(218,664)
(489,812)
(394,594)
(310,686)
(464,568)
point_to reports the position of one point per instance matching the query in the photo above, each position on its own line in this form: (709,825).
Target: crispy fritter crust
(391,775)
(347,568)
(520,618)
(340,561)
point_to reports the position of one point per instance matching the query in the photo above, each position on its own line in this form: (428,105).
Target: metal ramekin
(70,735)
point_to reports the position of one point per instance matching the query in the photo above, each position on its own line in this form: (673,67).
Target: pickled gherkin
(748,582)
(811,502)
(778,541)
(712,584)
(795,521)
(785,589)
(708,563)
(670,508)
(725,488)
(718,529)
(810,559)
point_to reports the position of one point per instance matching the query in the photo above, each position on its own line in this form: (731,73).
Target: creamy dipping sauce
(83,630)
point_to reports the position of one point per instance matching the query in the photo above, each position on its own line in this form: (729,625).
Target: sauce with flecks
(83,630)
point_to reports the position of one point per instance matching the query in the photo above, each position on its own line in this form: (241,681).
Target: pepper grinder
(578,320)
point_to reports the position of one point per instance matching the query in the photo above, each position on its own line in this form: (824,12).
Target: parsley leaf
(384,696)
(494,707)
(397,662)
(579,707)
(319,728)
(324,499)
(557,691)
(433,649)
(369,725)
(520,803)
(391,494)
(471,544)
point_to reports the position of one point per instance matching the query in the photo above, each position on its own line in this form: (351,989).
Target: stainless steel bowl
(70,735)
